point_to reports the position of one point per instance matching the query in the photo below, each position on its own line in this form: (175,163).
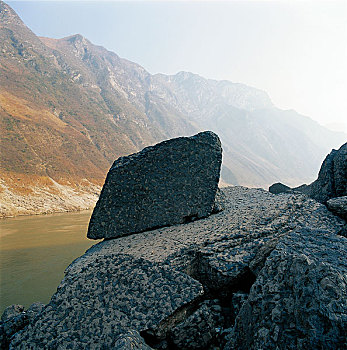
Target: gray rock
(279,188)
(130,340)
(331,181)
(224,249)
(299,298)
(34,310)
(200,329)
(11,311)
(237,301)
(172,182)
(340,172)
(343,231)
(111,294)
(338,206)
(13,320)
(11,327)
(218,202)
(332,177)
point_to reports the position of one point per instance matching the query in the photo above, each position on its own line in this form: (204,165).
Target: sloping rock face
(331,182)
(299,299)
(131,340)
(167,286)
(109,296)
(172,182)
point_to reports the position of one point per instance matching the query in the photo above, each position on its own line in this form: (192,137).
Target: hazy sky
(294,50)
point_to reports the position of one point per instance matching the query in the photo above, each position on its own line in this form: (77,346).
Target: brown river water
(34,252)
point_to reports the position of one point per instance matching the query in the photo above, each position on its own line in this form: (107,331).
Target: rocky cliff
(265,272)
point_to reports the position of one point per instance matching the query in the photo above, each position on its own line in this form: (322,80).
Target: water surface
(34,252)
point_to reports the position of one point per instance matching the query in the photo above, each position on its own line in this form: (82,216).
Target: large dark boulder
(172,182)
(331,181)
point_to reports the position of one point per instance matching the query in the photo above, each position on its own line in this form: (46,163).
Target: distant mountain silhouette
(70,108)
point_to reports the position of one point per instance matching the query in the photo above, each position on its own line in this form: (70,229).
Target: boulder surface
(170,183)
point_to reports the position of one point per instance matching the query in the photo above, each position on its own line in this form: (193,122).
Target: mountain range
(69,108)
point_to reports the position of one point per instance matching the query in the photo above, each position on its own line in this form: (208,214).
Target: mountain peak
(185,75)
(79,44)
(76,38)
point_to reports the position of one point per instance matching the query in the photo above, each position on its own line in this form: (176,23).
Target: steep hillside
(69,108)
(64,120)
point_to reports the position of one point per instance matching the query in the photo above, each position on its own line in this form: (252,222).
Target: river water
(34,252)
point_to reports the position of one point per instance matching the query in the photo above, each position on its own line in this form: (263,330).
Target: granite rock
(338,206)
(299,298)
(227,249)
(170,183)
(237,301)
(15,318)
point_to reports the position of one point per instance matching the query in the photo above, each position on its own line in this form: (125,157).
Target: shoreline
(3,217)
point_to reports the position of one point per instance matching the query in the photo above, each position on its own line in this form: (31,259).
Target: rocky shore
(263,271)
